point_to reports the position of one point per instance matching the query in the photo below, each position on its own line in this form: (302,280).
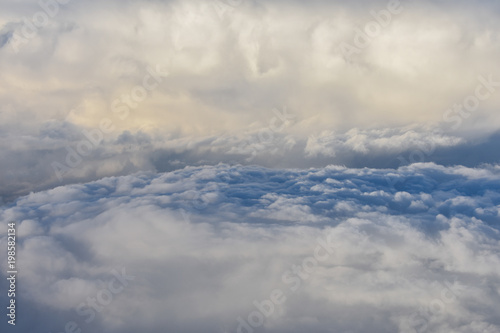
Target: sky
(165,84)
(206,146)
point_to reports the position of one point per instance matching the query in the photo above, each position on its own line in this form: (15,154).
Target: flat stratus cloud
(194,250)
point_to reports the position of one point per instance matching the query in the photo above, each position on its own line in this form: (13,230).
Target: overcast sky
(178,162)
(279,83)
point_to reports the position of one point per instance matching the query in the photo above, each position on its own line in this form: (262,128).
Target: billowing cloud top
(213,60)
(244,249)
(200,78)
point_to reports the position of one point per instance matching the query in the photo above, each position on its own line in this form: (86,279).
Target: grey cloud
(29,160)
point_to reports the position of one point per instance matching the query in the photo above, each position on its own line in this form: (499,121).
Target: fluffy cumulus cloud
(249,249)
(201,81)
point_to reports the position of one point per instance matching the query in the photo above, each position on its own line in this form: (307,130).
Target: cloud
(63,153)
(122,112)
(200,82)
(203,243)
(240,63)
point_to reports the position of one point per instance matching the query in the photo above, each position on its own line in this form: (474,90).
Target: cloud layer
(131,106)
(202,81)
(411,250)
(62,153)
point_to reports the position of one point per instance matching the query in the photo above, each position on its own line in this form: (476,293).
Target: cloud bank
(63,153)
(222,248)
(374,205)
(202,80)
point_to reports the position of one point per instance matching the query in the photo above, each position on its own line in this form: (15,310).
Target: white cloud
(204,243)
(128,89)
(222,70)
